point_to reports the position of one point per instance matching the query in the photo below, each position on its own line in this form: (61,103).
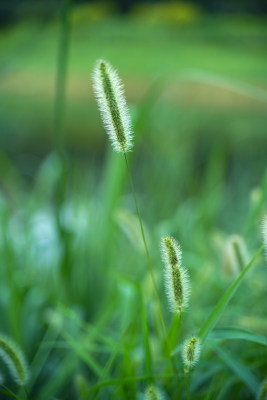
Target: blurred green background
(73,263)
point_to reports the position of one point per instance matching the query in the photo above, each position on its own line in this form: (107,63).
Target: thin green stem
(150,263)
(181,328)
(59,113)
(187,381)
(188,385)
(60,97)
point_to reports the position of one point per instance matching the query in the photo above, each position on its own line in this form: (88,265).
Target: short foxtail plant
(110,96)
(176,281)
(191,353)
(152,393)
(176,276)
(14,359)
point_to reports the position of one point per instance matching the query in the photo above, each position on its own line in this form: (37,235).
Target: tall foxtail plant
(111,100)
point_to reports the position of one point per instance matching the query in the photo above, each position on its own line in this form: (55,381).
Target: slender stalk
(188,384)
(187,381)
(181,328)
(59,114)
(60,96)
(150,263)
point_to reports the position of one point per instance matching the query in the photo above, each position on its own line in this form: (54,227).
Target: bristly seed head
(152,393)
(14,359)
(173,251)
(176,276)
(112,104)
(191,353)
(264,234)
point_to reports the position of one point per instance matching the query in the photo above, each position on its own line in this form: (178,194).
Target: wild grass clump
(115,115)
(91,315)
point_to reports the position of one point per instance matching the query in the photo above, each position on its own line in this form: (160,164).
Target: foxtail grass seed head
(191,353)
(152,393)
(110,96)
(14,359)
(264,234)
(235,255)
(176,276)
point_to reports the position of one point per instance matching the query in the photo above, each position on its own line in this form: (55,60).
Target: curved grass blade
(216,313)
(43,353)
(62,373)
(226,83)
(239,369)
(8,393)
(238,334)
(77,347)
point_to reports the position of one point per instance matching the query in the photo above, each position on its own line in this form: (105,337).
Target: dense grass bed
(75,289)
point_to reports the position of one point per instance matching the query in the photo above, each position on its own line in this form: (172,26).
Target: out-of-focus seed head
(191,353)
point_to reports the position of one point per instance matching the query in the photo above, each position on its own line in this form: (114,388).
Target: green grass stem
(150,263)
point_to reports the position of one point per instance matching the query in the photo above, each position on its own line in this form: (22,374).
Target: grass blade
(239,369)
(43,353)
(209,324)
(82,354)
(238,334)
(62,374)
(145,329)
(227,83)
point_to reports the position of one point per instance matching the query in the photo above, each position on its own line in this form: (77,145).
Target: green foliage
(75,291)
(221,305)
